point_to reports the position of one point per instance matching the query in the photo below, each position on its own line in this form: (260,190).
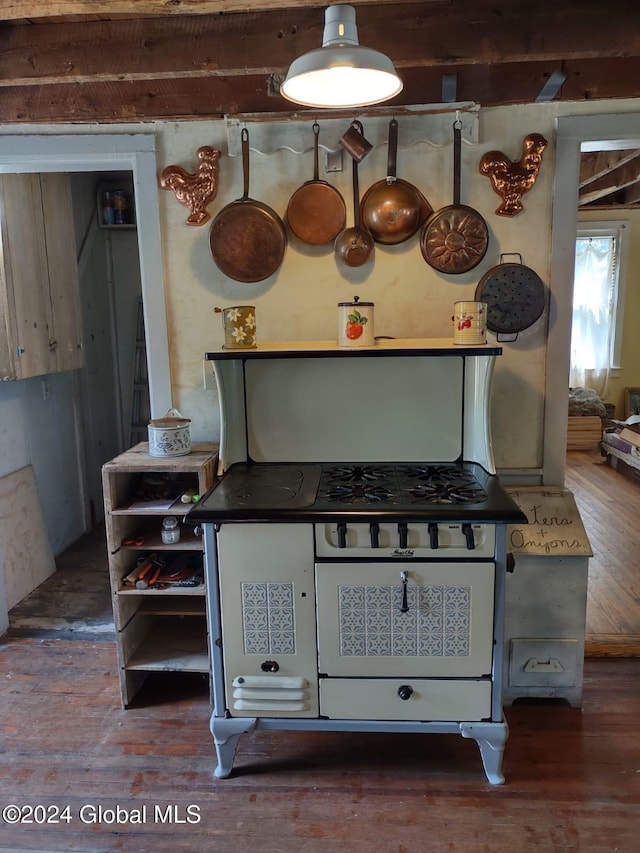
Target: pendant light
(341,73)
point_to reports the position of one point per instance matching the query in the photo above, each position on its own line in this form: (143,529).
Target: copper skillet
(247,238)
(316,212)
(455,239)
(392,209)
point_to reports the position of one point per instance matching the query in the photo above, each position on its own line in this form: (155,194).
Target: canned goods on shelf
(108,213)
(121,207)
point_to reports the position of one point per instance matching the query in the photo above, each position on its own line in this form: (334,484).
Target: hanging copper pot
(247,238)
(316,213)
(455,239)
(393,209)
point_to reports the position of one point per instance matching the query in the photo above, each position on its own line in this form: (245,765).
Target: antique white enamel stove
(355,544)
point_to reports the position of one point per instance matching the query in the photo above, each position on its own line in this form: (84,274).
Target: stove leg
(491,738)
(226,733)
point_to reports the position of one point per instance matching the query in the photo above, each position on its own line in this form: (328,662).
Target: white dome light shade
(341,73)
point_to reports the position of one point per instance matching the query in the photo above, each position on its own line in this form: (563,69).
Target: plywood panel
(25,553)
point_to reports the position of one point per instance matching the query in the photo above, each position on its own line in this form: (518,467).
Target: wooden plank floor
(573,776)
(608,501)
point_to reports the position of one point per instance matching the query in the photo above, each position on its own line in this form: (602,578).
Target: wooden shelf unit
(156,629)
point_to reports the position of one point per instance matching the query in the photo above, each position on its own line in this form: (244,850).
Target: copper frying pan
(247,238)
(316,213)
(455,239)
(392,209)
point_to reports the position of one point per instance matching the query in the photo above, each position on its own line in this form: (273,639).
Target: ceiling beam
(23,9)
(214,97)
(617,179)
(598,164)
(632,194)
(415,35)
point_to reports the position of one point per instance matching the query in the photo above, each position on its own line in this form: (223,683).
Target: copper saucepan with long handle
(393,209)
(355,245)
(316,212)
(247,238)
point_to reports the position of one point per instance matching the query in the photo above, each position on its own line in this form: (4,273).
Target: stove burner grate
(445,493)
(359,474)
(359,493)
(436,473)
(440,484)
(411,484)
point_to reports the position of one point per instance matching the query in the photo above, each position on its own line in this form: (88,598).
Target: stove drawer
(405,619)
(426,699)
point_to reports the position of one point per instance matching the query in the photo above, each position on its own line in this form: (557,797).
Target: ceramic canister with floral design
(469,323)
(239,322)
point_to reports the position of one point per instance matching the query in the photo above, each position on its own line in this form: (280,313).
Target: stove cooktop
(408,485)
(366,491)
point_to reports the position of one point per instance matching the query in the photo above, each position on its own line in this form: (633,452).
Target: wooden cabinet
(40,319)
(163,627)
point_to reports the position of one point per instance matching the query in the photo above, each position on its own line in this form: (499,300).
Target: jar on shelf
(170,531)
(121,207)
(108,211)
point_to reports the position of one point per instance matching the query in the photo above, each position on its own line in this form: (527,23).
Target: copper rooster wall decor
(511,180)
(196,190)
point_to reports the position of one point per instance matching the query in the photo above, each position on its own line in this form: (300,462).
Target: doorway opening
(66,500)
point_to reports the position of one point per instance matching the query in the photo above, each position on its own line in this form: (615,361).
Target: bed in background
(622,442)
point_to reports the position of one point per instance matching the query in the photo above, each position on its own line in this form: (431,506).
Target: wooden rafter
(610,176)
(22,9)
(110,60)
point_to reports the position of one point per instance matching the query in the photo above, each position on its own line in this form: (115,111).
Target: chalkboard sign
(555,527)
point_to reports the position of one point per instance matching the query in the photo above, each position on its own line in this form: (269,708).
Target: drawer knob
(270,666)
(405,691)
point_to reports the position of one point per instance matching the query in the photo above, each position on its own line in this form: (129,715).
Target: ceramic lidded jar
(355,324)
(170,435)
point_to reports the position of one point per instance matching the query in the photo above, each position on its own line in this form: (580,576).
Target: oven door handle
(404,606)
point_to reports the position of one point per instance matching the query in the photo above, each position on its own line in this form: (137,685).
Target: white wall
(42,433)
(412,299)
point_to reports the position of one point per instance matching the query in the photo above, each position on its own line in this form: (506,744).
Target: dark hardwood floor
(608,501)
(572,780)
(572,775)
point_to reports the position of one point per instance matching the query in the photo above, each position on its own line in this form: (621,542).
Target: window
(596,330)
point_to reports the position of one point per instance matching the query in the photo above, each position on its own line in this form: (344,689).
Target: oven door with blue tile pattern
(405,619)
